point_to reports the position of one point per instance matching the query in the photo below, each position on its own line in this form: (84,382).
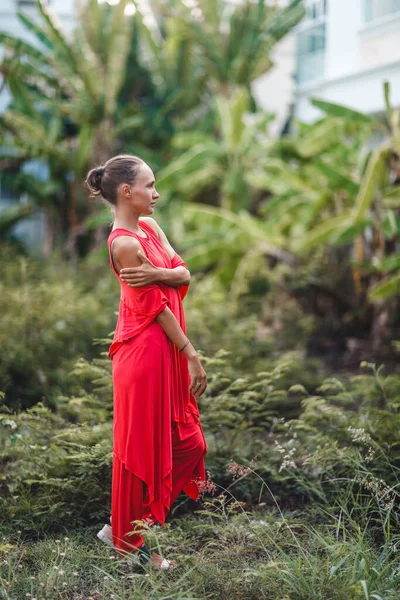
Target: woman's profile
(158,441)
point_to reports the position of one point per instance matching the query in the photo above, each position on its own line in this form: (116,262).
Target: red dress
(151,380)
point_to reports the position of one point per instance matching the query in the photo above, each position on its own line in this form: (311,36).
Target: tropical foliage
(64,108)
(292,243)
(302,496)
(75,103)
(319,196)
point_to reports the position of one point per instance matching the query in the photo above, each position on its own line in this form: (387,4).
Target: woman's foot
(158,562)
(105,535)
(154,560)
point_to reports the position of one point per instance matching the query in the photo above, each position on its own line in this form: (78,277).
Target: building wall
(274,91)
(361,53)
(380,42)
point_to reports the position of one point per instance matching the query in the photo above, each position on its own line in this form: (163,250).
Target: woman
(158,441)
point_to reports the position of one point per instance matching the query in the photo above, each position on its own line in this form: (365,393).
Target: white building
(342,52)
(346,49)
(275,91)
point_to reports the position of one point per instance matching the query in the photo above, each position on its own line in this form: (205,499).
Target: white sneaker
(105,535)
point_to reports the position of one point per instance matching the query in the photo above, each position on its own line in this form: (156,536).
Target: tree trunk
(382,326)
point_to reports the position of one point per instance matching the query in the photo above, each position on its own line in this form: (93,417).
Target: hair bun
(93,180)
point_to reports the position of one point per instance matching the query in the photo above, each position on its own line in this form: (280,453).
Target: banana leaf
(343,112)
(385,289)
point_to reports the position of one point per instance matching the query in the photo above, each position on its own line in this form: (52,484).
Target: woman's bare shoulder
(151,223)
(126,242)
(124,251)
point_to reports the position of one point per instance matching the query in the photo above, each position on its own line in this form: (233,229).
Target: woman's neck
(128,221)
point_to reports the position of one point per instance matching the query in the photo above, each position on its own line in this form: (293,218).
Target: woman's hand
(198,377)
(146,274)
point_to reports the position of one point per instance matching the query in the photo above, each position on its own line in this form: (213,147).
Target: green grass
(223,553)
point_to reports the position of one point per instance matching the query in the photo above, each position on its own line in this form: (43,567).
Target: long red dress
(152,404)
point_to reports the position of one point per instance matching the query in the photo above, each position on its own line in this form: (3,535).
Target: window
(311,41)
(26,3)
(316,9)
(311,53)
(376,9)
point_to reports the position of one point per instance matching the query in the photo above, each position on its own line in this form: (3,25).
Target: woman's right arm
(125,255)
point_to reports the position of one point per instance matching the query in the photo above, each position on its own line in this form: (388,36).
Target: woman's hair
(104,180)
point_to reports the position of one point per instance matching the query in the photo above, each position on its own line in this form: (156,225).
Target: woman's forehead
(146,174)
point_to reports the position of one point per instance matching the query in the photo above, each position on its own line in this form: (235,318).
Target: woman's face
(142,194)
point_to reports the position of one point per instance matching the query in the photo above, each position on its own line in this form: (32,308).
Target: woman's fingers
(131,274)
(198,387)
(201,390)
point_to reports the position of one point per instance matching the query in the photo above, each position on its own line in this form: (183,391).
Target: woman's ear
(126,190)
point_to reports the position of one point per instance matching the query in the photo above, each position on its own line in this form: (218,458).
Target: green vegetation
(293,247)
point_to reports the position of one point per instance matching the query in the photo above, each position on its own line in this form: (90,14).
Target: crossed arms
(143,272)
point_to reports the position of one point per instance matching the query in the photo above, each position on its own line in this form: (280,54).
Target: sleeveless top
(139,306)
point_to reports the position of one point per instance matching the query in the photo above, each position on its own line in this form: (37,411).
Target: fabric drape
(150,386)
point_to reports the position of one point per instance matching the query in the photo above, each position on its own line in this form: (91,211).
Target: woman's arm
(198,378)
(125,252)
(175,277)
(147,273)
(170,325)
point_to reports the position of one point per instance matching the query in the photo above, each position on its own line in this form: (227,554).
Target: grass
(224,552)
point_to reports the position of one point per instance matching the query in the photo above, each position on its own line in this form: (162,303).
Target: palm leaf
(30,132)
(386,92)
(385,289)
(337,178)
(69,53)
(56,57)
(243,223)
(375,175)
(13,215)
(190,160)
(343,112)
(324,232)
(118,43)
(20,47)
(321,136)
